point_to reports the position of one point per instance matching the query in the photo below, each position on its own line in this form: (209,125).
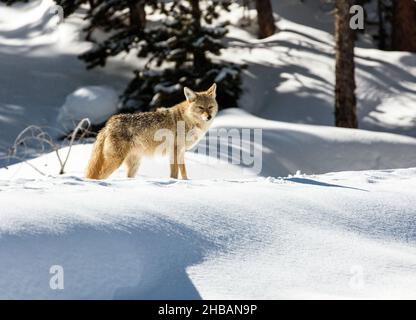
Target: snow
(279,149)
(97,103)
(40,67)
(296,237)
(290,75)
(224,73)
(228,233)
(315,211)
(167,89)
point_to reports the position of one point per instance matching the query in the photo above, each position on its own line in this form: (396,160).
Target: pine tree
(181,53)
(10,2)
(265,18)
(404,25)
(345,101)
(383,17)
(179,49)
(123,19)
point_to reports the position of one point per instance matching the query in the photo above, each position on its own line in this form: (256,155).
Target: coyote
(129,137)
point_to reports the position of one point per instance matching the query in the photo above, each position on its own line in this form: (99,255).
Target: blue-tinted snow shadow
(167,254)
(133,258)
(175,285)
(282,151)
(319,183)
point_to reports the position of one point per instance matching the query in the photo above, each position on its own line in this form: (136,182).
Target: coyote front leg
(174,163)
(182,167)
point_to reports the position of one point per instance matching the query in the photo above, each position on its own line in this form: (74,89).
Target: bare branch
(79,127)
(36,134)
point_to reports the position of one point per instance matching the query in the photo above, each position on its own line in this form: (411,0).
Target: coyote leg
(174,163)
(174,171)
(109,166)
(183,171)
(182,167)
(132,163)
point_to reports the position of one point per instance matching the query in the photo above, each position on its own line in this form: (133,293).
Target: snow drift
(296,237)
(225,234)
(97,103)
(234,230)
(283,148)
(291,75)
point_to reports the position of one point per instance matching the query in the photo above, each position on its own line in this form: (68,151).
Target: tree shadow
(285,149)
(167,253)
(312,14)
(391,79)
(33,100)
(24,6)
(312,103)
(124,260)
(30,30)
(319,183)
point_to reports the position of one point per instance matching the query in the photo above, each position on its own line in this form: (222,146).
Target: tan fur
(130,137)
(97,158)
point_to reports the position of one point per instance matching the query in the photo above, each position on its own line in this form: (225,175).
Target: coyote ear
(189,94)
(212,90)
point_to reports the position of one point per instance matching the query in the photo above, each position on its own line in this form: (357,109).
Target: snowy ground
(233,230)
(290,75)
(283,149)
(338,235)
(39,67)
(227,233)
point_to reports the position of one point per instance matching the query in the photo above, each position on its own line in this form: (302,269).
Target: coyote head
(202,105)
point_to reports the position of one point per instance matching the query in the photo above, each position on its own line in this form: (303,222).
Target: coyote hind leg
(113,158)
(109,166)
(132,164)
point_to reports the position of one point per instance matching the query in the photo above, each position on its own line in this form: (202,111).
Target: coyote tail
(97,158)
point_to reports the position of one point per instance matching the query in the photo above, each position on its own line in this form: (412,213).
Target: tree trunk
(265,18)
(404,25)
(382,35)
(137,13)
(199,55)
(345,102)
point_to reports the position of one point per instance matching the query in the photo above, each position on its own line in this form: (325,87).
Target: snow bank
(97,103)
(340,235)
(291,75)
(39,67)
(225,234)
(233,231)
(287,148)
(283,148)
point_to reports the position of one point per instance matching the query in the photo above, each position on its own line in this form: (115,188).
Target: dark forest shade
(345,101)
(404,25)
(137,13)
(199,55)
(265,18)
